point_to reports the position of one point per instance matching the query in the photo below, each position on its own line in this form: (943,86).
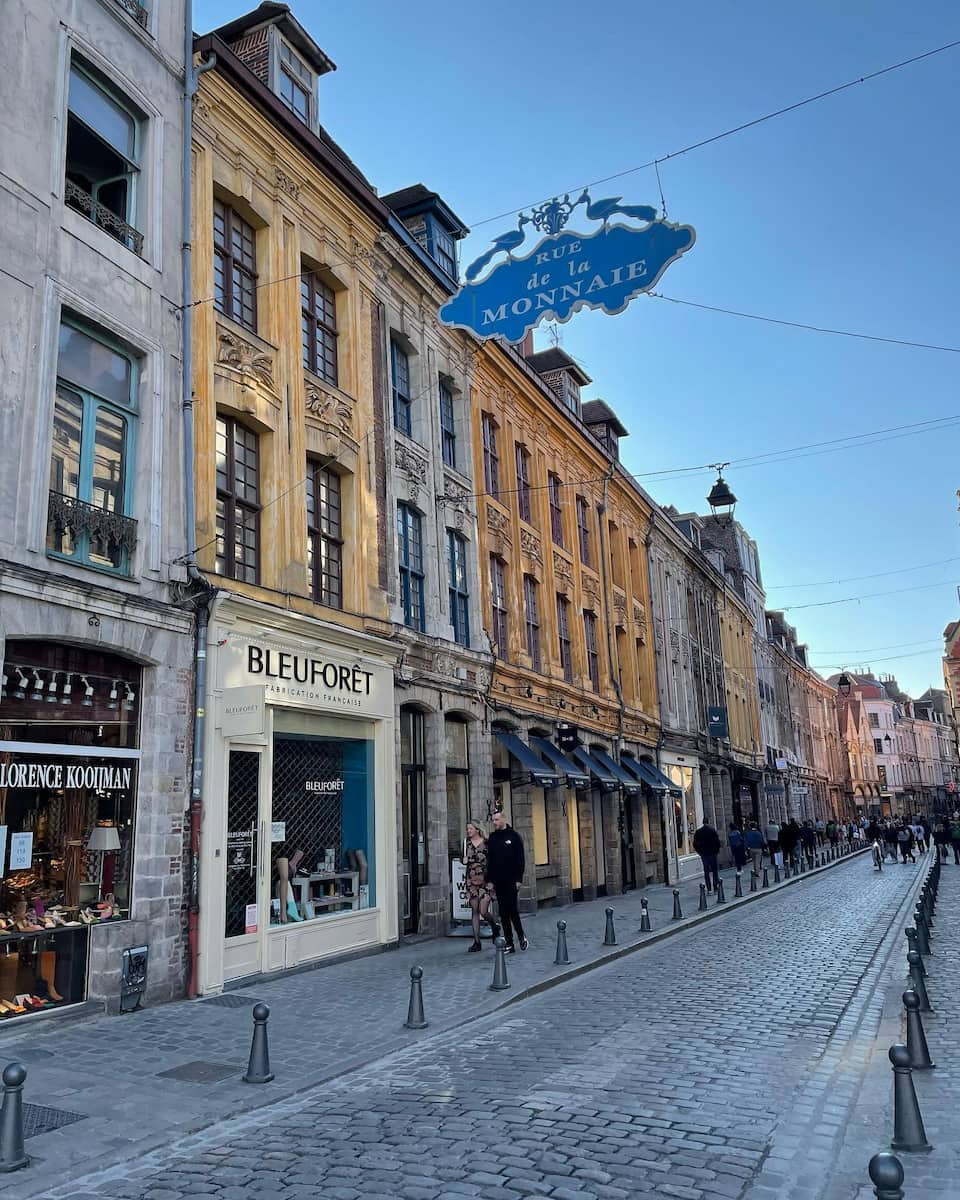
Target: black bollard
(738,887)
(12,1156)
(913,944)
(562,956)
(923,942)
(677,913)
(886,1175)
(908,1131)
(753,881)
(500,981)
(766,878)
(920,918)
(258,1068)
(702,906)
(609,934)
(721,898)
(776,873)
(645,926)
(415,1018)
(917,981)
(920,1059)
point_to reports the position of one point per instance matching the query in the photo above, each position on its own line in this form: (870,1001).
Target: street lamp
(889,740)
(844,685)
(721,500)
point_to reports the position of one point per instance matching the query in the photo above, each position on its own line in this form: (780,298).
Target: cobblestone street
(725,1061)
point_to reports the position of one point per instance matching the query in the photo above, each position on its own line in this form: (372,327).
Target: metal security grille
(308,798)
(242,816)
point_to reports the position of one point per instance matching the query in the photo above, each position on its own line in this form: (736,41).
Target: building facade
(97,653)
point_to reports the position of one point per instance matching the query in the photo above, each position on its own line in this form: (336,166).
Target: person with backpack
(890,840)
(737,846)
(905,841)
(753,839)
(808,841)
(941,840)
(706,842)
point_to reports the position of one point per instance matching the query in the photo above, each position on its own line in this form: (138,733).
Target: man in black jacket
(706,842)
(505,863)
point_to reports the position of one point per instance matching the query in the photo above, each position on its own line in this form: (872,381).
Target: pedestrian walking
(505,866)
(833,832)
(955,837)
(851,833)
(905,842)
(789,840)
(920,836)
(754,843)
(808,841)
(941,840)
(821,830)
(706,842)
(890,841)
(737,847)
(478,892)
(772,834)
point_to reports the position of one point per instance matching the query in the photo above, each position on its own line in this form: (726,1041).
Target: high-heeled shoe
(87,917)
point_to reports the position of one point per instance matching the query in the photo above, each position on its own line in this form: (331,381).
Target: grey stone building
(97,659)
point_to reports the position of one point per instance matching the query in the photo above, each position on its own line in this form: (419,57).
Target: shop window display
(67,796)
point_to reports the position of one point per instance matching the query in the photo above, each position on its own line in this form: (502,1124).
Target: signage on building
(567,739)
(781,764)
(243,712)
(717,721)
(566,271)
(54,775)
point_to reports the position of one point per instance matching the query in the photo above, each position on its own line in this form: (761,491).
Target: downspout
(205,594)
(657,673)
(614,674)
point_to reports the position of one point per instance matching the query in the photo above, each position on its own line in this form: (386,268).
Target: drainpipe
(205,593)
(669,849)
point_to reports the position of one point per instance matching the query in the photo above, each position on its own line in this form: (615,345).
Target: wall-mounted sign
(21,851)
(57,774)
(243,712)
(566,271)
(717,721)
(781,764)
(250,919)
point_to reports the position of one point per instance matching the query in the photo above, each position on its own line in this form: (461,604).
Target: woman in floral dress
(479,893)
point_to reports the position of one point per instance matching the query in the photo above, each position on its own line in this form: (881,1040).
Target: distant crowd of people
(785,843)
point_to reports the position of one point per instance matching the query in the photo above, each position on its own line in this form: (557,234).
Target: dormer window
(569,392)
(444,249)
(296,84)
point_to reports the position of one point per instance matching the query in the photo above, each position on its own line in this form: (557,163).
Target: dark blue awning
(540,774)
(629,783)
(576,776)
(645,771)
(607,781)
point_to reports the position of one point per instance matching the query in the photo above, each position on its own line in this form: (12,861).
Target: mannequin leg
(283,891)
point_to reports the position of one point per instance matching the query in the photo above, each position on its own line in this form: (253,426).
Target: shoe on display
(293,912)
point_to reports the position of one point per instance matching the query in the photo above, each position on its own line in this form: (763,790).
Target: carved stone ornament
(288,185)
(498,529)
(530,545)
(562,568)
(620,609)
(414,467)
(376,260)
(330,410)
(591,587)
(249,360)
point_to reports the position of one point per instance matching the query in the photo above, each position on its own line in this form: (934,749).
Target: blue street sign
(566,271)
(717,721)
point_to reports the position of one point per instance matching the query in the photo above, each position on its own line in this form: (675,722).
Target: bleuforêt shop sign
(566,271)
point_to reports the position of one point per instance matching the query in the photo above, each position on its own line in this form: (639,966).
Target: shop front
(299,823)
(685,811)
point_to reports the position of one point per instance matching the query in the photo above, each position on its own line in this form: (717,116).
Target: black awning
(607,781)
(540,774)
(654,778)
(627,781)
(576,776)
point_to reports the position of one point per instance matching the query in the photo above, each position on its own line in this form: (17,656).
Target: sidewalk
(112,1088)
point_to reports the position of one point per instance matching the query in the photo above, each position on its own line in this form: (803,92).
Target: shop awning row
(575,775)
(549,767)
(540,774)
(652,776)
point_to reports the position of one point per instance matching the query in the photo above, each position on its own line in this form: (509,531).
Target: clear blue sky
(842,214)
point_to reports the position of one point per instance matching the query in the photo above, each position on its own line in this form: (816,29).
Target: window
(556,512)
(498,597)
(445,250)
(569,393)
(139,12)
(318,324)
(402,403)
(882,775)
(874,719)
(296,84)
(459,595)
(324,535)
(238,501)
(563,636)
(93,421)
(491,460)
(523,483)
(234,266)
(593,657)
(616,562)
(541,842)
(531,610)
(448,432)
(410,543)
(583,530)
(877,746)
(458,785)
(103,155)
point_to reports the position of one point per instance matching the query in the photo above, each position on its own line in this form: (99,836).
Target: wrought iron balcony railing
(67,514)
(106,218)
(139,13)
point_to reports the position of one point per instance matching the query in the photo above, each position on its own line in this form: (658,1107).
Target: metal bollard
(258,1066)
(886,1175)
(645,926)
(562,957)
(920,1059)
(920,918)
(702,906)
(500,981)
(776,873)
(753,881)
(738,887)
(923,942)
(609,934)
(721,898)
(917,981)
(415,1018)
(908,1131)
(913,944)
(677,913)
(766,878)
(12,1155)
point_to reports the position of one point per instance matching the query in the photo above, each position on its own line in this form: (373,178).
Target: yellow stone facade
(740,677)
